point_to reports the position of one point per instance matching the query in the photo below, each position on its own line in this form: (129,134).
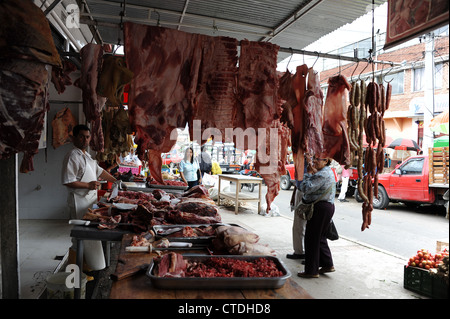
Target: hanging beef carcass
(313,134)
(61,76)
(261,108)
(336,143)
(298,113)
(113,78)
(287,94)
(91,63)
(215,101)
(62,126)
(27,52)
(258,84)
(165,64)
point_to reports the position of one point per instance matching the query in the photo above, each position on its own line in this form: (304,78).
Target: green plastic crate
(421,281)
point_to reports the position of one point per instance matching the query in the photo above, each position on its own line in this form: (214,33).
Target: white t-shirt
(74,166)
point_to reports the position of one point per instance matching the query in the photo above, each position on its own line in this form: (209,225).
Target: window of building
(419,77)
(438,75)
(397,82)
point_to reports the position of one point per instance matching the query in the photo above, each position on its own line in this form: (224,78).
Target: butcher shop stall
(137,71)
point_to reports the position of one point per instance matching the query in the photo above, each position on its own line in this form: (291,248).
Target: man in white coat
(80,174)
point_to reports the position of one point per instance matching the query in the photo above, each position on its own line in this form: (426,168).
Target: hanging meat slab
(61,76)
(91,63)
(112,79)
(165,64)
(258,84)
(215,101)
(272,170)
(336,142)
(62,126)
(298,113)
(313,115)
(287,94)
(261,106)
(28,52)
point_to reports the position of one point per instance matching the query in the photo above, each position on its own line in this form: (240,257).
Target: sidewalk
(362,272)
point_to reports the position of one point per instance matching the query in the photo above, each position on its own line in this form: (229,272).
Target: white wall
(41,194)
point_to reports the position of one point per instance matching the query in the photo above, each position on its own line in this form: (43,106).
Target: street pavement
(362,271)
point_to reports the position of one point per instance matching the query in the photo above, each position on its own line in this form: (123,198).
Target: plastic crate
(421,281)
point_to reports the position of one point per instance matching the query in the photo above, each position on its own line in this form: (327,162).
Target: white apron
(79,202)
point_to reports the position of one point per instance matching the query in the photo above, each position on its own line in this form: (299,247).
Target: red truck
(287,180)
(412,183)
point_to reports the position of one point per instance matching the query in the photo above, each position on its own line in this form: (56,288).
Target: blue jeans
(192,184)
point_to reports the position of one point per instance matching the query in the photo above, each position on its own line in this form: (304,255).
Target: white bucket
(57,288)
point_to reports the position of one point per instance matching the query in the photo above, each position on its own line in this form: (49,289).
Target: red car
(286,181)
(169,158)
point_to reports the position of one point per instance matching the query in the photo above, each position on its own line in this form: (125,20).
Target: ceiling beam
(183,14)
(291,20)
(92,16)
(186,14)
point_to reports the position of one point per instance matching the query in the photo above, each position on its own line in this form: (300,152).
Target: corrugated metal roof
(287,23)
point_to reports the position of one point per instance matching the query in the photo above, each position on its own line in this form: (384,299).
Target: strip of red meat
(336,143)
(91,63)
(298,112)
(313,115)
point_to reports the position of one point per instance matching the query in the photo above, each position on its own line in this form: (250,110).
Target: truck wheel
(382,201)
(285,182)
(357,197)
(251,187)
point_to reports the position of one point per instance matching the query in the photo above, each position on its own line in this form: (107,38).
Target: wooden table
(238,196)
(133,283)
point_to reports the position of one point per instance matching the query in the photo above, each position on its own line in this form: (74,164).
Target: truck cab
(409,183)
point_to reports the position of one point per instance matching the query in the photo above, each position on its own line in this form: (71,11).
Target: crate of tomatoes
(427,274)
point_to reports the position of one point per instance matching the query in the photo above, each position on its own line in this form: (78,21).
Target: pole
(428,111)
(9,229)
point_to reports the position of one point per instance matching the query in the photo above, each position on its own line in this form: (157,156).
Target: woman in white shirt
(189,168)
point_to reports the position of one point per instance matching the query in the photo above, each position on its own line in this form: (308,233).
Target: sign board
(408,19)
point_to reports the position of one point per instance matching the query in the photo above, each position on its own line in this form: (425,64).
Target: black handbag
(332,233)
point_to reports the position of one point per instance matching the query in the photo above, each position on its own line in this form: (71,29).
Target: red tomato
(420,254)
(427,267)
(417,261)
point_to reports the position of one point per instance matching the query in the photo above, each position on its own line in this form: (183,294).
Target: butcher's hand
(93,185)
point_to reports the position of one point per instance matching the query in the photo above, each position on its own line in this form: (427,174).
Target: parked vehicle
(230,168)
(287,180)
(418,180)
(170,159)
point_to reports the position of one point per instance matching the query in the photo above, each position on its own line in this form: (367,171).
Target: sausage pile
(365,115)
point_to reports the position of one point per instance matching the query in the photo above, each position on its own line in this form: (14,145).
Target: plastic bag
(210,180)
(273,212)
